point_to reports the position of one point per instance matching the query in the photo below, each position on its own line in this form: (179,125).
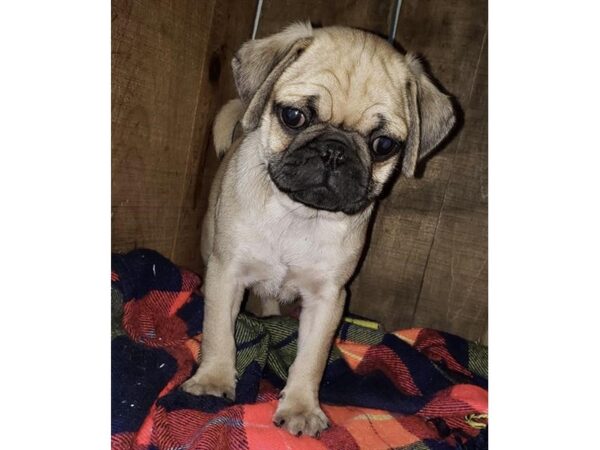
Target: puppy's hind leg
(223,296)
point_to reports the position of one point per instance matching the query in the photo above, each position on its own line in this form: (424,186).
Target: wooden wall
(427,260)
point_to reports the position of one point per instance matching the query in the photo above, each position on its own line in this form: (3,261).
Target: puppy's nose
(332,152)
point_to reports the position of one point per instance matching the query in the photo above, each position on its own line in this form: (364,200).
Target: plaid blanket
(412,389)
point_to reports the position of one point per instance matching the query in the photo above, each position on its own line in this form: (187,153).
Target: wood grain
(232,26)
(372,15)
(454,292)
(170,63)
(157,63)
(421,241)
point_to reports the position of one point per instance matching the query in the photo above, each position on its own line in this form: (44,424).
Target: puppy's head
(337,109)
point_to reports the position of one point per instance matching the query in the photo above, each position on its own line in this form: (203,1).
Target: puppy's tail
(227,127)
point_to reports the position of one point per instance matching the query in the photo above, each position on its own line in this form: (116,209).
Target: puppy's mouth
(324,198)
(324,175)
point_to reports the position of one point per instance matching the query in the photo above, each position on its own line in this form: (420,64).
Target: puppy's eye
(383,146)
(292,117)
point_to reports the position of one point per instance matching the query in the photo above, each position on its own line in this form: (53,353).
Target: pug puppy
(326,117)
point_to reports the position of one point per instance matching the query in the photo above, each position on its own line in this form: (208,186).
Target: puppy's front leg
(223,296)
(298,409)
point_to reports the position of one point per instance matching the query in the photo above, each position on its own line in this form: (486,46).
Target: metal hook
(256,18)
(394,24)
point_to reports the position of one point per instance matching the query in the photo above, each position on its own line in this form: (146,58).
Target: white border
(55,236)
(544,224)
(55,199)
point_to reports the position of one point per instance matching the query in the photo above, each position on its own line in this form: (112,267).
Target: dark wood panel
(388,288)
(157,62)
(372,15)
(231,26)
(454,292)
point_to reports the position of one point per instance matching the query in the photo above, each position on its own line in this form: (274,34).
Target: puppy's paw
(220,383)
(300,417)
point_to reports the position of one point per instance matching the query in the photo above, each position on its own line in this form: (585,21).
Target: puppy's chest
(282,259)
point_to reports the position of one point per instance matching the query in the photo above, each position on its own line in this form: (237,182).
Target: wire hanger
(391,33)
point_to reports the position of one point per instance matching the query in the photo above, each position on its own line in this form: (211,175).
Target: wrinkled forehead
(352,79)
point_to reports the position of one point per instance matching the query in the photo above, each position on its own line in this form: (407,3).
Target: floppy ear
(431,116)
(259,63)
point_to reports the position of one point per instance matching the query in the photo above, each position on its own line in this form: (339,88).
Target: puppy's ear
(259,63)
(431,116)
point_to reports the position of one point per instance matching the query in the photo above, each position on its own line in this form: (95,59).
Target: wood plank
(157,62)
(372,15)
(231,26)
(454,292)
(449,34)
